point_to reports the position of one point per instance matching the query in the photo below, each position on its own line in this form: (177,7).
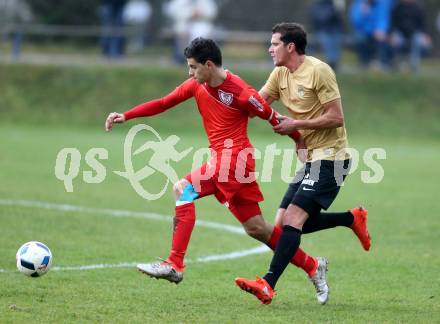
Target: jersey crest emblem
(225,97)
(301,91)
(256,103)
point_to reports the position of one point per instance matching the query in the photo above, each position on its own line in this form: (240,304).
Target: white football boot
(320,282)
(161,270)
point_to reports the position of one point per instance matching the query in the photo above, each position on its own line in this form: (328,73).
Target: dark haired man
(308,89)
(225,103)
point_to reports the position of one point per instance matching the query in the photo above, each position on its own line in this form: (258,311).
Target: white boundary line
(114,213)
(127,213)
(203,259)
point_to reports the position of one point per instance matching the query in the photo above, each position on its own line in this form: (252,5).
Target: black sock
(286,248)
(323,221)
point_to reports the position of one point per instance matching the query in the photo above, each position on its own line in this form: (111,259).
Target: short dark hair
(292,33)
(203,49)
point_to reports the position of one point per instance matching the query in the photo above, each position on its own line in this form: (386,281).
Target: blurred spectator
(408,31)
(137,14)
(191,19)
(327,24)
(438,22)
(371,22)
(112,42)
(15,12)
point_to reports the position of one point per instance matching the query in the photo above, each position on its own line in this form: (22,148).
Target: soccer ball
(34,259)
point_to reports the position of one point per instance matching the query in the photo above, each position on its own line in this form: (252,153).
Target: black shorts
(316,185)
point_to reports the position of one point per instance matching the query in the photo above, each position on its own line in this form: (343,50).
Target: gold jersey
(303,93)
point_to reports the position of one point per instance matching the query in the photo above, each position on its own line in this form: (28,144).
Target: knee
(295,216)
(297,223)
(279,217)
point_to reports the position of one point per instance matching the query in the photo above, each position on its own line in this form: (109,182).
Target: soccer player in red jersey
(225,103)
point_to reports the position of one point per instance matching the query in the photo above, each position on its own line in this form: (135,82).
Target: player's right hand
(112,118)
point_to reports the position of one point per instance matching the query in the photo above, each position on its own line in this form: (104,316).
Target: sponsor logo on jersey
(255,102)
(225,97)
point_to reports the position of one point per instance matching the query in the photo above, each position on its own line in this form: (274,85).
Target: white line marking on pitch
(114,213)
(208,258)
(127,213)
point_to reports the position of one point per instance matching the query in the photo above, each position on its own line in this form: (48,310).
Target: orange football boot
(259,287)
(359,226)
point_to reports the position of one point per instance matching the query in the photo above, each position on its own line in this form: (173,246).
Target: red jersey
(225,109)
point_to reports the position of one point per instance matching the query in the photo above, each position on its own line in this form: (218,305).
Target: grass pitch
(397,281)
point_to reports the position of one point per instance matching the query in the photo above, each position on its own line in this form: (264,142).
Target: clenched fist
(112,118)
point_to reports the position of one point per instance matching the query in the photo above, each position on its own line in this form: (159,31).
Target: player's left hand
(286,125)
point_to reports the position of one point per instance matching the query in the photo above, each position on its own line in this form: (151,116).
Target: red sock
(183,225)
(300,259)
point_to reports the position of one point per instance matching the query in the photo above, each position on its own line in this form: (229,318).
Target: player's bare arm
(332,117)
(266,97)
(112,118)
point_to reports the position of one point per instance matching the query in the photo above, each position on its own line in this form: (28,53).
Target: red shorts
(231,182)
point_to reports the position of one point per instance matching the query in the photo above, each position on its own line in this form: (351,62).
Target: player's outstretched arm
(146,109)
(112,118)
(158,106)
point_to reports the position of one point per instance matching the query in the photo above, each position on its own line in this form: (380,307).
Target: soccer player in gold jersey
(307,87)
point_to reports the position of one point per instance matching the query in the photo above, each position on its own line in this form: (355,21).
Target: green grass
(397,281)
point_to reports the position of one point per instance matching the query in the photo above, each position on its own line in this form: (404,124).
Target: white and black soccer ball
(34,259)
